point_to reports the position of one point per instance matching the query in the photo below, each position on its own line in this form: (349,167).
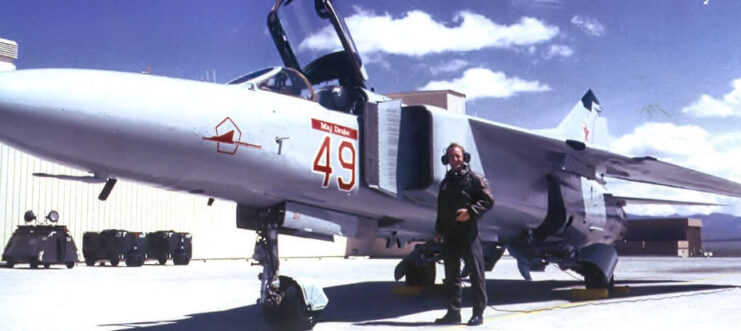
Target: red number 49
(323,165)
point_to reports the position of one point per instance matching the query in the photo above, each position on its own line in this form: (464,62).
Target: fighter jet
(307,150)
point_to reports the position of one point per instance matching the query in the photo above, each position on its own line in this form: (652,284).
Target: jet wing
(652,171)
(576,157)
(622,201)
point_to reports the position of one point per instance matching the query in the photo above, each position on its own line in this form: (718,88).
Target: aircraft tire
(47,265)
(89,262)
(292,313)
(595,279)
(162,260)
(134,259)
(420,275)
(181,258)
(71,265)
(114,261)
(34,263)
(10,263)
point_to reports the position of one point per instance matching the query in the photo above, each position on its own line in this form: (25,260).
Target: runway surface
(664,293)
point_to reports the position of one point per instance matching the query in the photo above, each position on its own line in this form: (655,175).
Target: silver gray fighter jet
(306,150)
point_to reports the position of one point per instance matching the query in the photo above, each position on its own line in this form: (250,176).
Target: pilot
(464,196)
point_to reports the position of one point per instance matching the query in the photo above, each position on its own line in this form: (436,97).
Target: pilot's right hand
(438,238)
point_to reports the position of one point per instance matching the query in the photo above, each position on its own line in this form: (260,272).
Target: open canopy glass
(312,38)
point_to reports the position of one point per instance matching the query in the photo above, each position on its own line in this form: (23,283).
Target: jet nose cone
(22,109)
(38,107)
(38,86)
(39,98)
(12,87)
(16,94)
(29,93)
(29,90)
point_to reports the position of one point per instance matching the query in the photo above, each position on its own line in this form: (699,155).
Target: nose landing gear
(285,303)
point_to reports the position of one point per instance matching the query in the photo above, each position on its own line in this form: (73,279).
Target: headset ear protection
(444,158)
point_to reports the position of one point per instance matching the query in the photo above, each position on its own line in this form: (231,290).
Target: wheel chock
(407,290)
(416,290)
(620,291)
(589,293)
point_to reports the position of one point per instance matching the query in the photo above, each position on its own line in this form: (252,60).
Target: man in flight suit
(464,197)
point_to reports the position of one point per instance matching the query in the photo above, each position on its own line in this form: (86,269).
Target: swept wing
(576,157)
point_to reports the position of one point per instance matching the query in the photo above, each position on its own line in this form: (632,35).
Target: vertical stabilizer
(584,123)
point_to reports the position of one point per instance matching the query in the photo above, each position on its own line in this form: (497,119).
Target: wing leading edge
(652,171)
(623,200)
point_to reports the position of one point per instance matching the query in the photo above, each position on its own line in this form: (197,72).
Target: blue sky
(664,71)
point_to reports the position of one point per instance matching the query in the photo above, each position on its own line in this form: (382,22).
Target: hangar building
(668,237)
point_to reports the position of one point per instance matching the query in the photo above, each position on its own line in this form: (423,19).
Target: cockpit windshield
(282,80)
(312,38)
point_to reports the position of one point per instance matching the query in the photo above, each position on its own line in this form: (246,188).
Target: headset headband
(446,151)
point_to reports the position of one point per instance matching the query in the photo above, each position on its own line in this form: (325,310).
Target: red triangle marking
(227,138)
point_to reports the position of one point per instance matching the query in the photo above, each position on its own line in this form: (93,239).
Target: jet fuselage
(255,147)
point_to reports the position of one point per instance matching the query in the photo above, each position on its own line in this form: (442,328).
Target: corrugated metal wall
(131,206)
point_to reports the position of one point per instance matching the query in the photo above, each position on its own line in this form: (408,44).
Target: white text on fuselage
(334,128)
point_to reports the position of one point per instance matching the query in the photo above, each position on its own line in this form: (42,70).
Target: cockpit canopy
(313,34)
(281,80)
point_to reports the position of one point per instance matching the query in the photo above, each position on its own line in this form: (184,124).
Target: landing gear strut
(286,304)
(266,254)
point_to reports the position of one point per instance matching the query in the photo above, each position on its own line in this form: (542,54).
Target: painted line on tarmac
(513,313)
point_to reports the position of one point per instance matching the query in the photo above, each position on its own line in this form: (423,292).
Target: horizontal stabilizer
(622,201)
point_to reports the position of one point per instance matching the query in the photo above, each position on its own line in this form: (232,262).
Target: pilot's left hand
(462,215)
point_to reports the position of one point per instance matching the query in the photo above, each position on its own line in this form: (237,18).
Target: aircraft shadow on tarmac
(374,303)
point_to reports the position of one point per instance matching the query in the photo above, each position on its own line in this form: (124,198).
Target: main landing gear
(418,267)
(286,304)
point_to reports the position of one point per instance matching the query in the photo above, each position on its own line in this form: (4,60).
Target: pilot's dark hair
(446,151)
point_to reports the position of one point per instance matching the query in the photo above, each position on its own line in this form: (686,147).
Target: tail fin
(585,123)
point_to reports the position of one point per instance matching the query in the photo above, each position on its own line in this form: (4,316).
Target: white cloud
(559,50)
(417,33)
(588,25)
(663,140)
(378,59)
(484,83)
(688,146)
(707,106)
(450,66)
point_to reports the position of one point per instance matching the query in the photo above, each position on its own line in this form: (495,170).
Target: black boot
(475,320)
(449,318)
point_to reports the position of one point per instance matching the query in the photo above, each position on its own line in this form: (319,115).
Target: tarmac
(658,293)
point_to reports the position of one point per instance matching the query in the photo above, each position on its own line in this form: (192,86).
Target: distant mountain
(721,233)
